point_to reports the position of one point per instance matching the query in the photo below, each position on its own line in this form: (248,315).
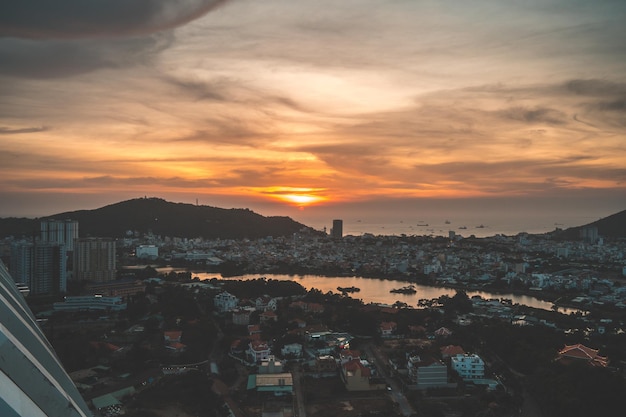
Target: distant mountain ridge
(613,226)
(187,220)
(164,218)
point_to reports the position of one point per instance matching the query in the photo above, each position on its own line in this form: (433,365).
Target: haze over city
(315,110)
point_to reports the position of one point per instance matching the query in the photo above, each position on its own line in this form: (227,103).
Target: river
(378,290)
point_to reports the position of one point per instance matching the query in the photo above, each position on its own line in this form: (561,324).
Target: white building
(90,302)
(468,366)
(258,351)
(33,382)
(292,350)
(271,366)
(427,373)
(225,301)
(147,252)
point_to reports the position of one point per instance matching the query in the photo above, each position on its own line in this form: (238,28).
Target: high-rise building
(60,231)
(33,382)
(94,259)
(589,234)
(337,230)
(41,266)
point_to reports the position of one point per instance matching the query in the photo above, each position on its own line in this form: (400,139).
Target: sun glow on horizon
(300,197)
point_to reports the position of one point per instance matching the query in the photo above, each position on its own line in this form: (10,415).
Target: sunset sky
(301,107)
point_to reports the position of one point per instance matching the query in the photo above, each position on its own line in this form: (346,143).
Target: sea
(481,218)
(476,224)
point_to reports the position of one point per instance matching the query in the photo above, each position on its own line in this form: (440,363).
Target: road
(396,390)
(298,392)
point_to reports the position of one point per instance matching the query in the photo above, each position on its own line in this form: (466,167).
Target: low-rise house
(172,342)
(427,372)
(292,350)
(325,364)
(451,350)
(258,351)
(238,347)
(176,347)
(417,330)
(172,336)
(581,353)
(313,308)
(225,301)
(268,317)
(265,303)
(241,317)
(387,329)
(271,366)
(348,355)
(300,324)
(254,331)
(357,377)
(443,332)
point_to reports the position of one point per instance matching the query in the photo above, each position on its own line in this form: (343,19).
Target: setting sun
(302,199)
(298,196)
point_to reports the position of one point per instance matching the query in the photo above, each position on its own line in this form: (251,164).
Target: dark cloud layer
(54,39)
(27,58)
(76,19)
(9,131)
(536,115)
(595,87)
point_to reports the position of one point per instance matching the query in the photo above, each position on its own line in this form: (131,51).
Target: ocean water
(480,223)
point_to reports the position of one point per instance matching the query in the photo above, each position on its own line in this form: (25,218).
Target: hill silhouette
(164,218)
(613,226)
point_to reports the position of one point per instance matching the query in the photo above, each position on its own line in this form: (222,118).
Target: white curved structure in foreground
(33,382)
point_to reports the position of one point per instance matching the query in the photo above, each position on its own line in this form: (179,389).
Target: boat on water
(447,222)
(409,289)
(348,289)
(480,226)
(463,227)
(422,224)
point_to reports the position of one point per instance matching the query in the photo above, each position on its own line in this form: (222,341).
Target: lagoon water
(378,290)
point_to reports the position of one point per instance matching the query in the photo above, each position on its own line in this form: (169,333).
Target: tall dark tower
(337,231)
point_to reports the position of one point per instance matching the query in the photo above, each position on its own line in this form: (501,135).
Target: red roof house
(579,352)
